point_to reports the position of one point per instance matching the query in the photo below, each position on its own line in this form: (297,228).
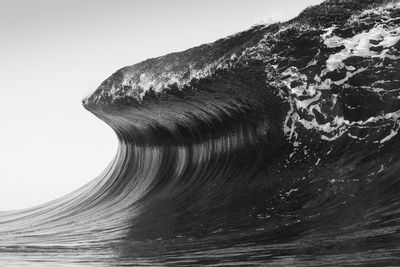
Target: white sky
(53,53)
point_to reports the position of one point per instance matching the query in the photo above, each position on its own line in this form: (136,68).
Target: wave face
(275,146)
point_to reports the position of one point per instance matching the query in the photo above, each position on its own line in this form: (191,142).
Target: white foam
(360,45)
(306,97)
(392,134)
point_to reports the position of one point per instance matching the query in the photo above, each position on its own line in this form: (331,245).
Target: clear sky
(53,53)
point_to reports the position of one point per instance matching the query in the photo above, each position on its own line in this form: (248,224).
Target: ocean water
(283,153)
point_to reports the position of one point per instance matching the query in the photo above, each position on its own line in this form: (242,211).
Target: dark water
(230,199)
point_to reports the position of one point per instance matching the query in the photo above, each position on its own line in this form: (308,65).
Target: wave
(275,146)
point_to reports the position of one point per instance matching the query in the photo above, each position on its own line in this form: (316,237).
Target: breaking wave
(283,151)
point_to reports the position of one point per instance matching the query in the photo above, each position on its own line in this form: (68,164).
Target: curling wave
(278,146)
